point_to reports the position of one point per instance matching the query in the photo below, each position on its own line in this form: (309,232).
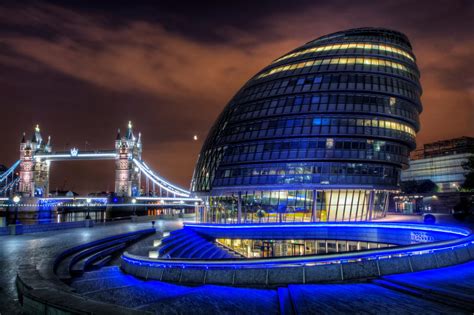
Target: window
(317,121)
(354,61)
(329,143)
(318,80)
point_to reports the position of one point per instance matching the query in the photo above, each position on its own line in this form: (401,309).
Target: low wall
(440,246)
(35,228)
(54,226)
(272,276)
(41,296)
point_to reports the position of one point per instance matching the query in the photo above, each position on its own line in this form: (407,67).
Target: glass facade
(321,134)
(441,162)
(250,248)
(446,172)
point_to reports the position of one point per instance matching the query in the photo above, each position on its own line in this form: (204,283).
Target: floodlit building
(320,134)
(441,162)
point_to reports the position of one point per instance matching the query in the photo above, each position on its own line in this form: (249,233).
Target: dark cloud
(84,68)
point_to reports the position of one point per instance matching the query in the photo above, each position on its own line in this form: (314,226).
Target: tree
(418,187)
(464,210)
(468,184)
(427,186)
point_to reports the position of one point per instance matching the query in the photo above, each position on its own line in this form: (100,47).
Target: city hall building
(320,134)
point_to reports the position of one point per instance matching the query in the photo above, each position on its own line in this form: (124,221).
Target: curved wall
(446,246)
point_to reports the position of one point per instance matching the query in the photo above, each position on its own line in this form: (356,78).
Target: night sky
(82,69)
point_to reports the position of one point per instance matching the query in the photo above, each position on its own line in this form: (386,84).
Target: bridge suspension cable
(9,185)
(161,182)
(8,172)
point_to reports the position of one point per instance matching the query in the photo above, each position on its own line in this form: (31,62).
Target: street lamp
(16,200)
(134,201)
(88,201)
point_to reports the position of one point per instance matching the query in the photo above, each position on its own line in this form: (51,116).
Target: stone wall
(272,276)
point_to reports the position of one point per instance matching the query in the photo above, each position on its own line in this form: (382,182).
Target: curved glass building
(320,134)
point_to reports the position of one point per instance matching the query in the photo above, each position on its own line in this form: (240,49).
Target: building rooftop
(444,147)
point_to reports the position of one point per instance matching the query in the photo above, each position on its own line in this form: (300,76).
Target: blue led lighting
(404,226)
(418,249)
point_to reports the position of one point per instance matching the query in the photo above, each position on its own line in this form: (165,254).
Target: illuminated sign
(421,237)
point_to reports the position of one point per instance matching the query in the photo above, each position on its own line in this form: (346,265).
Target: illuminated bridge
(135,182)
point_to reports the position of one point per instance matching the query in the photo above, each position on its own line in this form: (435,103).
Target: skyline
(171,77)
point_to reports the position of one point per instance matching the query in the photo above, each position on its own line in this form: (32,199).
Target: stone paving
(41,249)
(110,285)
(457,280)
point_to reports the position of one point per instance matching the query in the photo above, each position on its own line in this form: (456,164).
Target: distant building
(63,193)
(441,162)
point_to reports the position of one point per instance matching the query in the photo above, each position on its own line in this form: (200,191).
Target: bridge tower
(127,175)
(34,173)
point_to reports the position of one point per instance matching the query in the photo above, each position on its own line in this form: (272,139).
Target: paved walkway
(111,285)
(41,249)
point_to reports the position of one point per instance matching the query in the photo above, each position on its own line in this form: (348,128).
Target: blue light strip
(299,261)
(466,239)
(413,226)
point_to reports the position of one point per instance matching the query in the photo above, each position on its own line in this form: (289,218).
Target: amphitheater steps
(186,243)
(84,257)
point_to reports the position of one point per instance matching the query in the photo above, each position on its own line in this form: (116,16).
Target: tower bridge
(29,177)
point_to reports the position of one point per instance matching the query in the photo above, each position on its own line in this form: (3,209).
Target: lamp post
(88,201)
(134,201)
(16,201)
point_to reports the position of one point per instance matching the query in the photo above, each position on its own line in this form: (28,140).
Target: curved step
(185,253)
(174,252)
(197,250)
(67,259)
(63,271)
(175,241)
(84,264)
(101,262)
